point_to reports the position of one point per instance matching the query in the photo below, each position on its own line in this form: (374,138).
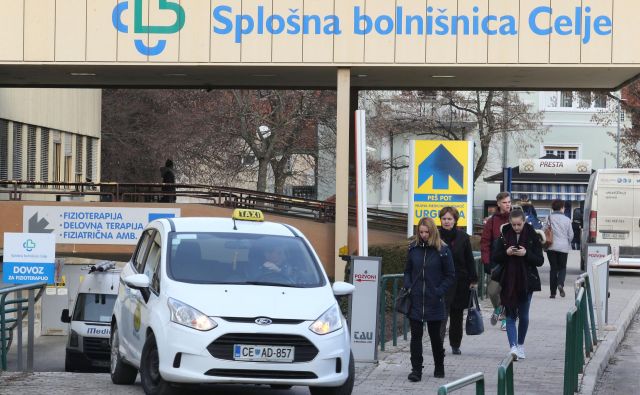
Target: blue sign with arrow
(441,165)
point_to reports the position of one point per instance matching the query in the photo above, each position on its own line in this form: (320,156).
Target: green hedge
(394,256)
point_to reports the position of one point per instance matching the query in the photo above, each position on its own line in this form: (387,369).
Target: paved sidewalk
(540,373)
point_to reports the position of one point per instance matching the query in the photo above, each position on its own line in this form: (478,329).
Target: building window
(4,149)
(600,100)
(17,151)
(31,153)
(585,99)
(89,164)
(566,99)
(57,162)
(79,140)
(44,155)
(562,151)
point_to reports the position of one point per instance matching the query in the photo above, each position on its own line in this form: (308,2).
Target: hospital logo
(140,28)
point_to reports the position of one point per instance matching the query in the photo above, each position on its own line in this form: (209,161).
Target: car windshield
(236,258)
(94,307)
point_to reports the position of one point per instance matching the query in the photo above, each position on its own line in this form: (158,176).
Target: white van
(612,215)
(90,322)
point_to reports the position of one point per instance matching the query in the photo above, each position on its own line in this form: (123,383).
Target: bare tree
(485,116)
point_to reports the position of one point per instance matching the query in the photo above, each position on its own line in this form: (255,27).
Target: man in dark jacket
(490,234)
(168,177)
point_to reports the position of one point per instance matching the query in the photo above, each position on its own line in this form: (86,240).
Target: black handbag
(474,324)
(402,304)
(403,301)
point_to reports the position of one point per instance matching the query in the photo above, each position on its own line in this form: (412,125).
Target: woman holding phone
(518,251)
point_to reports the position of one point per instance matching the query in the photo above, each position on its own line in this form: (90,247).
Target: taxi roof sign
(242,214)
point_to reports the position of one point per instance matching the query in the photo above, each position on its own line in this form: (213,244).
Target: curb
(600,360)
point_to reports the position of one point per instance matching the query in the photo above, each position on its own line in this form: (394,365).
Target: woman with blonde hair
(429,272)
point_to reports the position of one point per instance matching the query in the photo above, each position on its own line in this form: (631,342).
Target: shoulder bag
(474,324)
(548,235)
(402,304)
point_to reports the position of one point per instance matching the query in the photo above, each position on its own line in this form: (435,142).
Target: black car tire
(121,372)
(344,389)
(152,381)
(69,366)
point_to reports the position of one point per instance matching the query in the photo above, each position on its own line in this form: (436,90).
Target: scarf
(514,277)
(448,236)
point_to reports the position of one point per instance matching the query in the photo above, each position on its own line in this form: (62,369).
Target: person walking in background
(558,252)
(518,253)
(457,297)
(530,212)
(430,264)
(576,226)
(490,234)
(168,177)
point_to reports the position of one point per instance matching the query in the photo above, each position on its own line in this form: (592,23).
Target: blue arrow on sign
(440,165)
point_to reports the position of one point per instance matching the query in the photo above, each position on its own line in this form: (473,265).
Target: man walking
(490,233)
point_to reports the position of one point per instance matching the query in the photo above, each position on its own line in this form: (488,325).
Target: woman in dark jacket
(457,297)
(518,251)
(429,273)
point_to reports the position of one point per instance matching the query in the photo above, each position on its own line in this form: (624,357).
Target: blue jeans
(517,336)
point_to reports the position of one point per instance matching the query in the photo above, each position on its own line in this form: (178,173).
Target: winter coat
(490,233)
(435,273)
(465,267)
(168,177)
(562,232)
(533,258)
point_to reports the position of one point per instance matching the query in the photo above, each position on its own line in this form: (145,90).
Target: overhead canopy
(515,44)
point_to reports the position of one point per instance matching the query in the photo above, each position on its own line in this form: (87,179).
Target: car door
(129,324)
(143,307)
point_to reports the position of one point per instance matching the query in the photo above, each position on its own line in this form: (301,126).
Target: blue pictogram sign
(441,165)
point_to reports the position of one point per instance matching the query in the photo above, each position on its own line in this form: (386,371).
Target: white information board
(29,258)
(363,307)
(598,256)
(92,225)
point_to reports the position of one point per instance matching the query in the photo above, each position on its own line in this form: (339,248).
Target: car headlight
(329,321)
(186,315)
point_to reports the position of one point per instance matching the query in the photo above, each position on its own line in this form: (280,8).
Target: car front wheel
(344,389)
(152,381)
(121,372)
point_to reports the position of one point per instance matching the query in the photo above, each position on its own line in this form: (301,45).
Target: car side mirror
(65,317)
(141,283)
(340,288)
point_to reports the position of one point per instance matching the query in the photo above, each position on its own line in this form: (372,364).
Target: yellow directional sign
(441,175)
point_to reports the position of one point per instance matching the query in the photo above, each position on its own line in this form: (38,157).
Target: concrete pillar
(343,115)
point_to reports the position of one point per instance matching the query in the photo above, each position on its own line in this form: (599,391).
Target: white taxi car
(229,300)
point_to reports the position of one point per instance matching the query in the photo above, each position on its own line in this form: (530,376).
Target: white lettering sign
(364,307)
(555,166)
(93,225)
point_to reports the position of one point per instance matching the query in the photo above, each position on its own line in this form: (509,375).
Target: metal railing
(397,279)
(590,331)
(11,318)
(477,378)
(505,376)
(228,197)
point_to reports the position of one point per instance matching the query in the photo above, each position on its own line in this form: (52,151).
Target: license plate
(259,353)
(617,236)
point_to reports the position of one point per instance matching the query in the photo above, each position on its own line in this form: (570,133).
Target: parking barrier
(397,278)
(477,378)
(505,376)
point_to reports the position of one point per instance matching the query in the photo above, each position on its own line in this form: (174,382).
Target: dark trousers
(558,262)
(417,330)
(455,327)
